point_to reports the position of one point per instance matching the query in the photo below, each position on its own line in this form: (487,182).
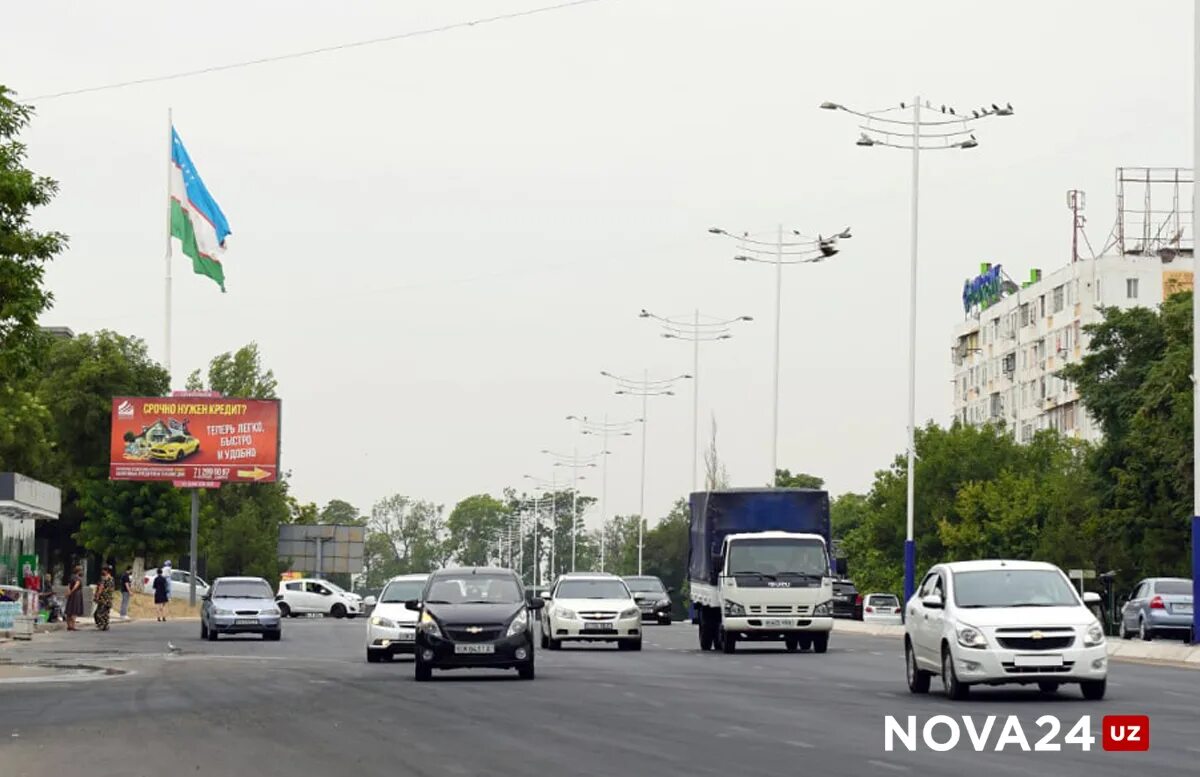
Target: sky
(440,241)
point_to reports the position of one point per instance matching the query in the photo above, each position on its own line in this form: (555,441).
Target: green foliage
(24,252)
(847,512)
(238,374)
(342,513)
(474,525)
(126,520)
(403,536)
(785,479)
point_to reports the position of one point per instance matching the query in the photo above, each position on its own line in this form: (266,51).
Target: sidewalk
(1157,652)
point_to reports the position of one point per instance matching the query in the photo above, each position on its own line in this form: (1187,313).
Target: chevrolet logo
(1036,635)
(476,630)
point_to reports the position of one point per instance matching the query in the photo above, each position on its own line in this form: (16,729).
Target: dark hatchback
(474,618)
(847,602)
(652,597)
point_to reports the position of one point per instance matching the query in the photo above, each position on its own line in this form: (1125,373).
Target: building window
(1025,319)
(1131,288)
(1058,299)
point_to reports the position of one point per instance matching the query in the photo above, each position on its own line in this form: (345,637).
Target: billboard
(322,549)
(195,441)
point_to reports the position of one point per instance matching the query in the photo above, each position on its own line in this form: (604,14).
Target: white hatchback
(883,609)
(591,607)
(1001,622)
(391,629)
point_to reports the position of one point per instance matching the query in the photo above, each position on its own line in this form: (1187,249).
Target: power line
(312,52)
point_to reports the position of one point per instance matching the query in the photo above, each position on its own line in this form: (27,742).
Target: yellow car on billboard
(174,448)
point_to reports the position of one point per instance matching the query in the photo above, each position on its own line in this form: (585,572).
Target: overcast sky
(439,242)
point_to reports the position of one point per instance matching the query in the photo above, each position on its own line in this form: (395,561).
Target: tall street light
(575,462)
(644,388)
(695,329)
(797,249)
(950,128)
(543,485)
(1195,350)
(604,429)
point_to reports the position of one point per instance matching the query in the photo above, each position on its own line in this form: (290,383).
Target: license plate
(474,649)
(1042,661)
(778,623)
(1183,608)
(406,635)
(597,627)
(246,622)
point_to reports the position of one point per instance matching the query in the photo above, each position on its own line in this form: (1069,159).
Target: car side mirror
(536,603)
(206,598)
(370,601)
(413,604)
(932,601)
(1091,597)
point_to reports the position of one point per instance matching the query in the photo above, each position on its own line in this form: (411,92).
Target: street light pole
(778,318)
(695,398)
(1195,343)
(604,491)
(574,502)
(910,548)
(642,499)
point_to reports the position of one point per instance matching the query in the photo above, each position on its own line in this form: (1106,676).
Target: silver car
(1158,606)
(240,605)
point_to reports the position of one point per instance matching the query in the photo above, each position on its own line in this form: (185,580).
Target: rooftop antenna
(1075,201)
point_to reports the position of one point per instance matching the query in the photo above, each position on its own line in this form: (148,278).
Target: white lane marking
(759,668)
(1177,693)
(798,743)
(847,686)
(887,765)
(876,653)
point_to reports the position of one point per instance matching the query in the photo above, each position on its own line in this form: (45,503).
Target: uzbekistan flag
(196,219)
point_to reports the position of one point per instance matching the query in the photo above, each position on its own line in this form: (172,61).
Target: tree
(785,479)
(847,512)
(24,252)
(132,520)
(342,513)
(403,536)
(238,374)
(474,524)
(665,552)
(716,476)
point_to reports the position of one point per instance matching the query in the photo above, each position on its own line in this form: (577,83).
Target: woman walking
(74,598)
(104,598)
(160,595)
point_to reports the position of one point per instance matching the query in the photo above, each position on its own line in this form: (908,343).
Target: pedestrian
(161,586)
(126,592)
(74,598)
(103,598)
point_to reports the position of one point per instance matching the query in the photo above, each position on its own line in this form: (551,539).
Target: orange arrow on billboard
(258,473)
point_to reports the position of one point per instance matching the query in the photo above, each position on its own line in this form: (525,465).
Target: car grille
(597,616)
(247,612)
(1029,643)
(778,609)
(486,634)
(1011,668)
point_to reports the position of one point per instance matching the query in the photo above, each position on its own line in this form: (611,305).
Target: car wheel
(629,644)
(386,657)
(1143,632)
(954,689)
(373,656)
(525,672)
(351,616)
(1093,690)
(728,642)
(338,611)
(1048,686)
(212,635)
(284,610)
(553,644)
(918,678)
(791,644)
(421,672)
(275,636)
(203,629)
(820,642)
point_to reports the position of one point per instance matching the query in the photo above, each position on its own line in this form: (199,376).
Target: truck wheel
(820,642)
(805,643)
(791,644)
(728,642)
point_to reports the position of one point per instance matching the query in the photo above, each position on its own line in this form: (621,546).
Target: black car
(652,597)
(847,602)
(475,617)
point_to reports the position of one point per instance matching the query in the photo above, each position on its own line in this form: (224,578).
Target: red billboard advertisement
(195,440)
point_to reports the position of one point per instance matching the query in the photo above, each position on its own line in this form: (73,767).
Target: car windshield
(1173,587)
(774,557)
(474,589)
(243,589)
(402,590)
(591,589)
(650,585)
(883,601)
(1013,588)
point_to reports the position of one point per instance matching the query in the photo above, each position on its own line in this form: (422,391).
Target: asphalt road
(311,705)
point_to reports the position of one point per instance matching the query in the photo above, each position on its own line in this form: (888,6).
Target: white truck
(759,568)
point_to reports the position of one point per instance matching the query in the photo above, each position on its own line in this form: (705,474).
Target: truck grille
(778,609)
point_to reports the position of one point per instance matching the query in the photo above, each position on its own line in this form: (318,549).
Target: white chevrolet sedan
(591,607)
(391,629)
(1001,622)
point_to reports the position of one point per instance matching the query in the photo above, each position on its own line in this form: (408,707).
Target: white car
(180,582)
(882,609)
(1000,622)
(591,607)
(391,628)
(306,596)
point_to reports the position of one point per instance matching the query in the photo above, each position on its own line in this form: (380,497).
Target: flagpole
(167,308)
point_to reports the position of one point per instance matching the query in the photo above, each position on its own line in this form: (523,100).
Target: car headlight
(429,625)
(734,609)
(824,608)
(565,614)
(631,612)
(663,603)
(384,622)
(518,624)
(269,613)
(970,637)
(219,611)
(1094,636)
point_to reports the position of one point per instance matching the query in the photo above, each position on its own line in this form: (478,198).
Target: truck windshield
(775,557)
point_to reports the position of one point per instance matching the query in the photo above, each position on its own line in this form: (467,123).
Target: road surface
(311,705)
